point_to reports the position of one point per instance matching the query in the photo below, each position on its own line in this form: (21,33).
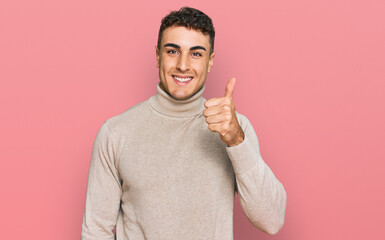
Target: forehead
(185,37)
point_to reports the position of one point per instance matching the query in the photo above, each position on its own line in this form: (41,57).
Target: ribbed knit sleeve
(103,190)
(261,194)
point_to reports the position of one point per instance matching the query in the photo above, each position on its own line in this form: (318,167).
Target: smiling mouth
(182,80)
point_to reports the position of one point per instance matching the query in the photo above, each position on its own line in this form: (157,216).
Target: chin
(181,93)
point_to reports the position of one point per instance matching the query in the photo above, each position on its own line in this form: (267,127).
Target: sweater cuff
(243,156)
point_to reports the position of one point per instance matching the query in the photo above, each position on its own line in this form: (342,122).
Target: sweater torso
(176,177)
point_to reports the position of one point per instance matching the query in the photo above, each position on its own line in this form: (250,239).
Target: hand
(221,118)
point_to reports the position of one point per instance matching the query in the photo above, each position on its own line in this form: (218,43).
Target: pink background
(310,77)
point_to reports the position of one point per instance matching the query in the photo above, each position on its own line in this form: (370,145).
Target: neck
(168,105)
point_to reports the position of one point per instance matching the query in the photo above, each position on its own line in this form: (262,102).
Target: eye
(172,51)
(197,54)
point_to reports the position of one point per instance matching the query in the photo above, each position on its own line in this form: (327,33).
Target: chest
(167,157)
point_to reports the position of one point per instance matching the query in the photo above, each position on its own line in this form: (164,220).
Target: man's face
(183,60)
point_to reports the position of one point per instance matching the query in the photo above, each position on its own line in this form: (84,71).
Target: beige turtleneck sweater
(158,173)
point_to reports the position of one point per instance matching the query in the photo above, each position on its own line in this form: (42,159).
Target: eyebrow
(177,46)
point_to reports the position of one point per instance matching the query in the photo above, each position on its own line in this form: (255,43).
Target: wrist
(237,140)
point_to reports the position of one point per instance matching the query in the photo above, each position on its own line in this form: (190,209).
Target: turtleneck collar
(165,104)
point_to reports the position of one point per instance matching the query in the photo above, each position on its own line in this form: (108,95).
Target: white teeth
(183,79)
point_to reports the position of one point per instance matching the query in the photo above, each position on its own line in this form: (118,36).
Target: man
(168,167)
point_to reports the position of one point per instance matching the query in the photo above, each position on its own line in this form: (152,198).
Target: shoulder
(129,117)
(249,130)
(243,121)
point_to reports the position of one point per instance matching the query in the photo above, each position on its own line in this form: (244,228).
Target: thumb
(230,88)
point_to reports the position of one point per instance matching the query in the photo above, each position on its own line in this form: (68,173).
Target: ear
(157,56)
(211,61)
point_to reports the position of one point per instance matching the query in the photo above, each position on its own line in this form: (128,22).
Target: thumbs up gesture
(221,118)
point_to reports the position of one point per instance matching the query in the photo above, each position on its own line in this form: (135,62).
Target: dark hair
(190,18)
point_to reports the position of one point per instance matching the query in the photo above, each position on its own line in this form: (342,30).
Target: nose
(183,63)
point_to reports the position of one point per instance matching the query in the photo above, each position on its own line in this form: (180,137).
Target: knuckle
(223,132)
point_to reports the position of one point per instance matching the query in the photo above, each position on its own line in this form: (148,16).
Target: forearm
(261,194)
(103,190)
